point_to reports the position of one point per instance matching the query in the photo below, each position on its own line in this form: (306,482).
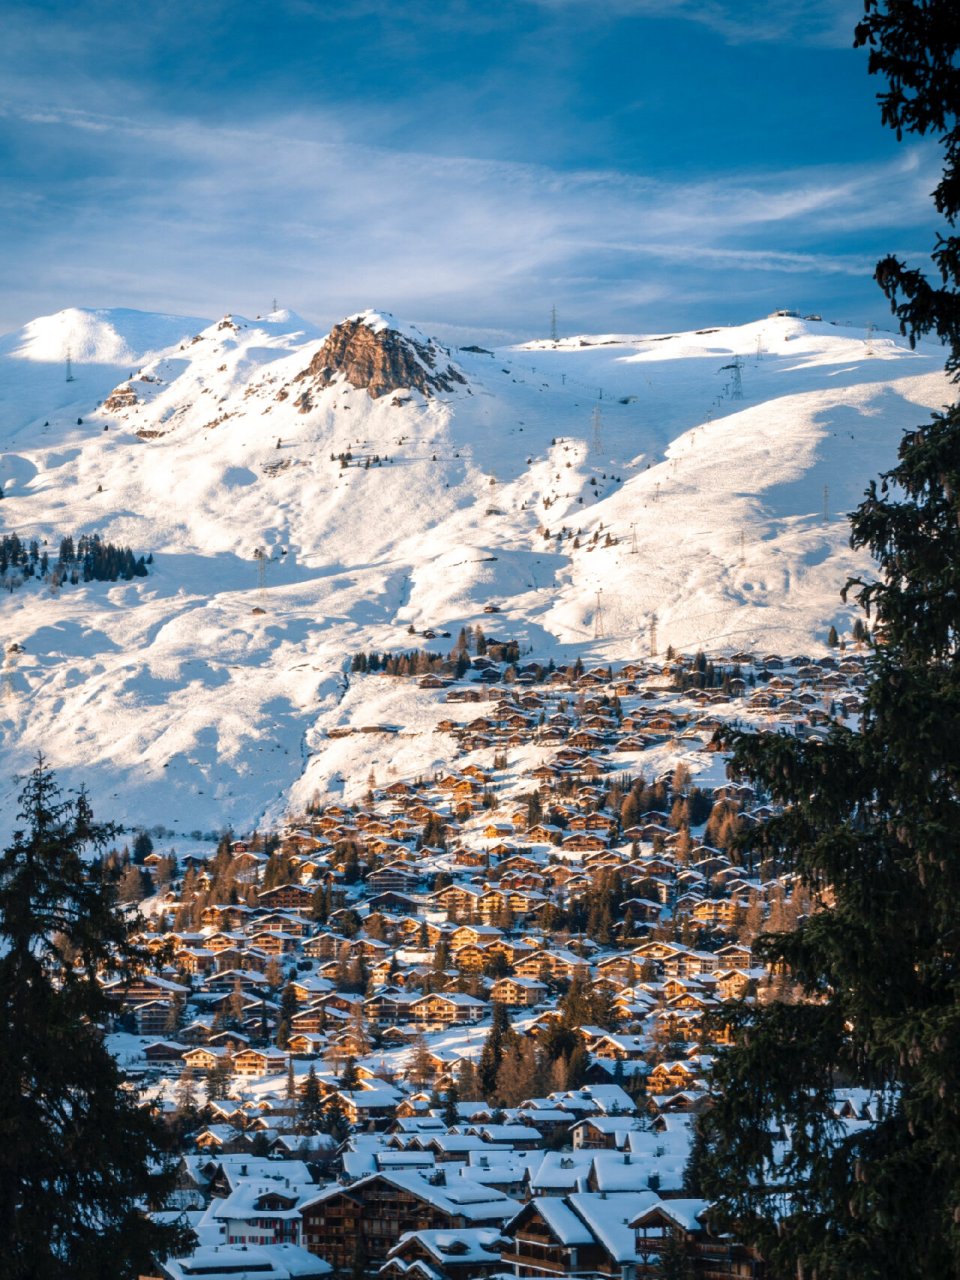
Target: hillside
(306,496)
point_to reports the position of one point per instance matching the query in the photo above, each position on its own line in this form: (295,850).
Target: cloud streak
(180,215)
(827,23)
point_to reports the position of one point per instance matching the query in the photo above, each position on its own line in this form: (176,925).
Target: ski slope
(201,695)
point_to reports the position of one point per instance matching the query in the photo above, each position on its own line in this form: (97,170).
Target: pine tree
(218,1081)
(273,973)
(334,1119)
(349,1076)
(186,1099)
(310,1112)
(500,1038)
(674,1262)
(871,826)
(468,1082)
(77,1156)
(421,1065)
(451,1113)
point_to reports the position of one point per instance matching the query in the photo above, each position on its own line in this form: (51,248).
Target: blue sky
(641,164)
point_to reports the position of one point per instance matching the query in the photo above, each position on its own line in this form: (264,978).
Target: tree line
(85,559)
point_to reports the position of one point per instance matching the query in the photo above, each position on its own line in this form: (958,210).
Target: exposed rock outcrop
(380,359)
(122,397)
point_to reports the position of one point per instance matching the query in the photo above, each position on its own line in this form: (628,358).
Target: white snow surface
(179,704)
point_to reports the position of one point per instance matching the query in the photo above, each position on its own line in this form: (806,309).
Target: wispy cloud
(817,22)
(182,215)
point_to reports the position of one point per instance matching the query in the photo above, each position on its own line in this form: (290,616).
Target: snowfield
(597,493)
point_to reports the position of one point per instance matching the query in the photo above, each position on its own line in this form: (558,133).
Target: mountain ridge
(598,493)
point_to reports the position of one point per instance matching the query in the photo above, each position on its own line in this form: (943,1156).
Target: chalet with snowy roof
(293,897)
(456,1255)
(376,1211)
(446,1008)
(581,1234)
(684,1224)
(518,992)
(144,988)
(260,1062)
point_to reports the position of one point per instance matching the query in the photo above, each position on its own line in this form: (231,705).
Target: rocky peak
(370,353)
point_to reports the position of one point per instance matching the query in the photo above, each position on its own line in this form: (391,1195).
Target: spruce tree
(349,1076)
(500,1038)
(451,1113)
(78,1157)
(310,1112)
(871,824)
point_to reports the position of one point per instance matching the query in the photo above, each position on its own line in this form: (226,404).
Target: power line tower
(260,556)
(554,336)
(598,619)
(597,430)
(653,636)
(736,377)
(69,367)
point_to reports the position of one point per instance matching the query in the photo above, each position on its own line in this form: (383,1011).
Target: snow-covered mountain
(305,496)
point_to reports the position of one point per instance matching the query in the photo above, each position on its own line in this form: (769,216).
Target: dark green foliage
(88,559)
(310,1111)
(703,674)
(914,45)
(349,1076)
(451,1114)
(278,871)
(77,1155)
(872,826)
(500,1039)
(218,1081)
(335,1120)
(142,847)
(674,1263)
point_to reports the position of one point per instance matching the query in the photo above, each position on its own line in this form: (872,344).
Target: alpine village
(480,806)
(465,1028)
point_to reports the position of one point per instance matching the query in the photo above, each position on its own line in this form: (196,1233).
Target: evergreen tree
(218,1081)
(577,1065)
(349,1076)
(335,1120)
(133,885)
(310,1112)
(468,1082)
(142,847)
(421,1065)
(500,1038)
(186,1100)
(78,1158)
(274,975)
(236,1005)
(451,1114)
(674,1263)
(871,825)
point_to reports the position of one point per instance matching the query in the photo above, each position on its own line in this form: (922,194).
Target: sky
(640,165)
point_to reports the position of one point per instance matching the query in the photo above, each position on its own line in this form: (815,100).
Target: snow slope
(202,694)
